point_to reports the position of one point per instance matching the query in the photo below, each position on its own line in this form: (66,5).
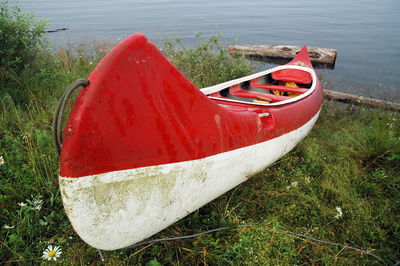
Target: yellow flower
(51,253)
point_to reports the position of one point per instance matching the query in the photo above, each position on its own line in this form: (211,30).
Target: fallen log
(56,30)
(320,57)
(360,100)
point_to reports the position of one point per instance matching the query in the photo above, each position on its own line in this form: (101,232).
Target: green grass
(351,160)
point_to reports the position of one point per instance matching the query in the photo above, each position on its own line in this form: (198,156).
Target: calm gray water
(365,32)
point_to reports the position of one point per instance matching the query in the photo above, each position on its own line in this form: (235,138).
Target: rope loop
(59,113)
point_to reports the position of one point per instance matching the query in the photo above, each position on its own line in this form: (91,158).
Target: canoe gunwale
(221,86)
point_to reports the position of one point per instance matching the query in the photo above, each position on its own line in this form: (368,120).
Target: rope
(251,226)
(58,114)
(183,237)
(100,254)
(332,243)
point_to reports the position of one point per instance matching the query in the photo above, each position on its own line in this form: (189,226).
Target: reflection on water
(365,32)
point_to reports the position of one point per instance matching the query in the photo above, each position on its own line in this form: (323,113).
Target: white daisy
(295,184)
(339,214)
(6,226)
(51,253)
(2,160)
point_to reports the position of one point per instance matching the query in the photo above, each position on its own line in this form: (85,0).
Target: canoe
(143,147)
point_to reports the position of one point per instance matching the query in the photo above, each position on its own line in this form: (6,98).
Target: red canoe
(143,147)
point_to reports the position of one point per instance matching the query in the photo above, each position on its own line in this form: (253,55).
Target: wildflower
(26,136)
(51,253)
(6,226)
(37,204)
(294,184)
(22,204)
(2,160)
(307,180)
(339,214)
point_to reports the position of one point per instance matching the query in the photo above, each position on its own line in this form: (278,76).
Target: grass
(351,160)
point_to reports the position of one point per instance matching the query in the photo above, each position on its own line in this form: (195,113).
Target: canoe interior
(263,90)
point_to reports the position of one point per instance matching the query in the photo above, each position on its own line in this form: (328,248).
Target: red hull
(139,110)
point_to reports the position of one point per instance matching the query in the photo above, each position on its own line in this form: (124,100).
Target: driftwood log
(320,57)
(56,30)
(360,100)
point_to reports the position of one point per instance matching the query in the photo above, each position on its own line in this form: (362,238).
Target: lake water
(365,32)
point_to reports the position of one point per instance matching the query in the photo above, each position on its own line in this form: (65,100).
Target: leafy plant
(21,39)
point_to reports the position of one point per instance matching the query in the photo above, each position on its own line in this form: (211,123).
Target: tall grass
(207,63)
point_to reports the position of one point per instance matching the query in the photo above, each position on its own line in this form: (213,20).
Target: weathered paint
(139,110)
(143,147)
(117,209)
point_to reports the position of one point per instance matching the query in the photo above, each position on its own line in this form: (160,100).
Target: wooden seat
(255,84)
(237,91)
(292,75)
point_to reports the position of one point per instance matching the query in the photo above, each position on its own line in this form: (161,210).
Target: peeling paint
(117,209)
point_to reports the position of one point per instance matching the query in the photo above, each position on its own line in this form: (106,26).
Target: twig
(21,260)
(19,255)
(338,253)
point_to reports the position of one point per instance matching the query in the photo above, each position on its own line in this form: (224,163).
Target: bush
(21,38)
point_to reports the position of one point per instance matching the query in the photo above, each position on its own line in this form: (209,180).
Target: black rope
(332,243)
(59,113)
(184,237)
(255,227)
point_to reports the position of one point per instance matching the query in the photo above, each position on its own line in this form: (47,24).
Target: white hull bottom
(117,209)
